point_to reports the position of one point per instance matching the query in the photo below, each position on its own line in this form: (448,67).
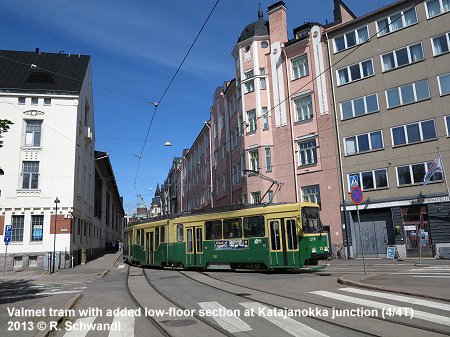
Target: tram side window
(163,232)
(199,240)
(180,233)
(291,234)
(189,240)
(213,230)
(142,237)
(232,228)
(138,237)
(275,235)
(156,237)
(311,220)
(254,227)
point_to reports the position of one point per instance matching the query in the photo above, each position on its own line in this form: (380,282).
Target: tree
(4,127)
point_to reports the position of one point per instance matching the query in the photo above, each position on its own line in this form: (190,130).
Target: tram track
(153,321)
(160,324)
(247,297)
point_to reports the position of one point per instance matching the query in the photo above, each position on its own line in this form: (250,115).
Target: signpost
(421,234)
(7,239)
(357,196)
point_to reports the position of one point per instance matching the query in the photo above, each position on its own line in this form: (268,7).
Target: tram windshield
(310,220)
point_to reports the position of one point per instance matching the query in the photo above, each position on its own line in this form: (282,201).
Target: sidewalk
(91,270)
(430,279)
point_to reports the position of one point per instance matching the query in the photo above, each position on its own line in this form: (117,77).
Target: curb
(347,282)
(118,255)
(68,305)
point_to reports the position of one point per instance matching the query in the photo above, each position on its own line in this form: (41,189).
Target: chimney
(337,11)
(277,22)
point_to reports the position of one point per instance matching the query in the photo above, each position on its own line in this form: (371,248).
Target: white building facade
(48,155)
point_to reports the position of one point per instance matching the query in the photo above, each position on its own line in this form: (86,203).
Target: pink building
(270,137)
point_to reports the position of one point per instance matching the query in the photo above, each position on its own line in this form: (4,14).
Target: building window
(33,133)
(369,180)
(47,101)
(241,125)
(253,160)
(30,175)
(21,100)
(300,67)
(17,262)
(270,196)
(355,72)
(265,115)
(351,39)
(251,117)
(363,143)
(437,7)
(447,125)
(256,198)
(410,93)
(268,159)
(413,133)
(440,44)
(303,109)
(17,222)
(262,83)
(397,21)
(359,106)
(34,101)
(414,174)
(311,194)
(37,227)
(444,84)
(307,152)
(402,57)
(249,82)
(32,261)
(247,55)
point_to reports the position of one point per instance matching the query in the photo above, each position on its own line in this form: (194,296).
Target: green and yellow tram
(273,236)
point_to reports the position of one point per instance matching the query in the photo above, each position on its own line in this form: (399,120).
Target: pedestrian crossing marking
(399,298)
(434,276)
(80,322)
(231,322)
(288,324)
(383,306)
(126,326)
(120,266)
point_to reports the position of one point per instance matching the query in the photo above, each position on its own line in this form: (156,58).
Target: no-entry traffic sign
(357,195)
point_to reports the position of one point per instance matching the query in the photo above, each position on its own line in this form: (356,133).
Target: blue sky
(136,47)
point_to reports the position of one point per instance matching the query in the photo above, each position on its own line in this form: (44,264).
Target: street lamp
(54,236)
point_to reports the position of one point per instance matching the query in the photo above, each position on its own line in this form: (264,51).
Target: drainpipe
(294,162)
(341,171)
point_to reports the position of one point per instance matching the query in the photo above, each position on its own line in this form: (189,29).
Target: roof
(38,72)
(333,27)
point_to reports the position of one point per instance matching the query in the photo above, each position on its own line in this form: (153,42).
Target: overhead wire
(157,103)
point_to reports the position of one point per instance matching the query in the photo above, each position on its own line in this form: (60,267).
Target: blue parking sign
(8,233)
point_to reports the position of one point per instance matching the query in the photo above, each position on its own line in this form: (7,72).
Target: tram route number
(397,312)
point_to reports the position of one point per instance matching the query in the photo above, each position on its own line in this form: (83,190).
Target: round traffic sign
(357,195)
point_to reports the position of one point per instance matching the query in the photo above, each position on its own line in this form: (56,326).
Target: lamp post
(54,235)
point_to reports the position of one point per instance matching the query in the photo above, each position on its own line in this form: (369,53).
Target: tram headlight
(326,249)
(313,250)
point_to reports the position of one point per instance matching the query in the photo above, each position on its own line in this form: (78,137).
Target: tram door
(278,252)
(149,245)
(194,246)
(291,243)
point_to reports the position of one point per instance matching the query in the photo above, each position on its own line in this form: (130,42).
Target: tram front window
(310,220)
